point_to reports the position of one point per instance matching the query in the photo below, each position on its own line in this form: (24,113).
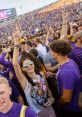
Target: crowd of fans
(39,21)
(44,72)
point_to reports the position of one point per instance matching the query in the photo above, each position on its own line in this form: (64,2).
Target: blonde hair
(3,81)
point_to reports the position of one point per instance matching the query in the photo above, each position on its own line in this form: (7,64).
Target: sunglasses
(26,65)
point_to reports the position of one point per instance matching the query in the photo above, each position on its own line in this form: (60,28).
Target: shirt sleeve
(68,80)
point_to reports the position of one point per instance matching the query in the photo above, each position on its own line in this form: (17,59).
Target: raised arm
(47,36)
(64,25)
(71,28)
(21,78)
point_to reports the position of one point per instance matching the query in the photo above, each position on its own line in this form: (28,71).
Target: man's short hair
(29,43)
(37,40)
(3,81)
(61,47)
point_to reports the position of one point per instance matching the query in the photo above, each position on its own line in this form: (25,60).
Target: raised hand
(17,35)
(64,15)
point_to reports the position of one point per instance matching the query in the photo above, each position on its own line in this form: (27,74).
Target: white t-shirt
(41,50)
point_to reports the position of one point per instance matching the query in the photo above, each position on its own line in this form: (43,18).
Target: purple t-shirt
(68,77)
(15,111)
(9,67)
(76,55)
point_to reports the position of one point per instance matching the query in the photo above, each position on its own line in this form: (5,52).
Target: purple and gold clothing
(15,111)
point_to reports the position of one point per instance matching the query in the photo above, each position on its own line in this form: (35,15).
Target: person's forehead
(1,65)
(27,61)
(3,87)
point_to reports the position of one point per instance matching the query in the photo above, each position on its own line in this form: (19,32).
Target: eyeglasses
(26,65)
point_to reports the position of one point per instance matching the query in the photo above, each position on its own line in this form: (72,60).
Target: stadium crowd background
(40,19)
(41,59)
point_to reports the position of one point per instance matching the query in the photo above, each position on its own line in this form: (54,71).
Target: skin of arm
(80,100)
(21,78)
(64,26)
(47,37)
(66,96)
(51,69)
(49,34)
(67,90)
(71,28)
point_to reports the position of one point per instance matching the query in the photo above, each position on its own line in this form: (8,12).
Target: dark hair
(38,66)
(37,39)
(61,46)
(29,78)
(11,52)
(29,43)
(34,52)
(30,56)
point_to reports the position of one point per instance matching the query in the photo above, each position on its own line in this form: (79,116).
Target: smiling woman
(33,82)
(28,65)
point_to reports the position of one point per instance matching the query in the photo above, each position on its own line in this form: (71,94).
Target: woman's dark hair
(38,65)
(29,78)
(61,46)
(30,56)
(11,52)
(34,52)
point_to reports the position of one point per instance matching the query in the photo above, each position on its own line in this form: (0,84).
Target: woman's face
(28,66)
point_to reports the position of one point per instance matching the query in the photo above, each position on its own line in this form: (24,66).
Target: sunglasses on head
(26,65)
